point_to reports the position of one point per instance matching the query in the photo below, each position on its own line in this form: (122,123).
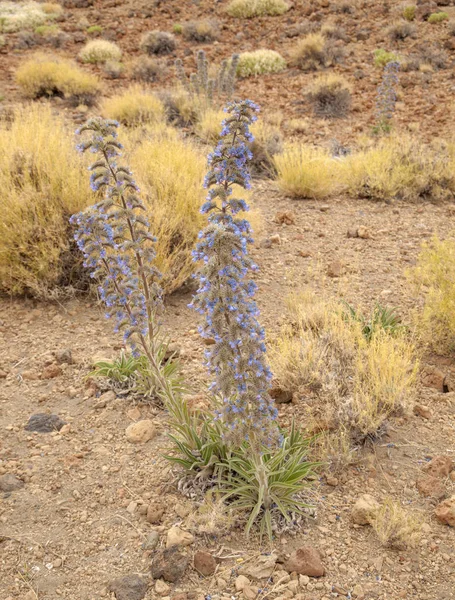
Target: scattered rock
(335,269)
(154,513)
(204,563)
(364,233)
(445,512)
(169,564)
(422,411)
(241,582)
(130,587)
(44,423)
(305,561)
(162,588)
(250,592)
(140,432)
(51,372)
(304,580)
(285,218)
(332,481)
(10,483)
(178,537)
(433,378)
(439,466)
(304,253)
(279,395)
(151,541)
(105,399)
(364,509)
(430,486)
(30,375)
(64,357)
(262,568)
(275,239)
(3,374)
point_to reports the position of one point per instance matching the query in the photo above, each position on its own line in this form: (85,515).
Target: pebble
(140,432)
(178,537)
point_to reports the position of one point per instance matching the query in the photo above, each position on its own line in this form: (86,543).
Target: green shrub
(438,17)
(100,51)
(260,62)
(177,28)
(382,57)
(409,12)
(246,9)
(47,30)
(94,29)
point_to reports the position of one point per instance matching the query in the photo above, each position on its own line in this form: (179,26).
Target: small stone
(422,411)
(250,593)
(30,375)
(169,564)
(364,233)
(130,587)
(337,589)
(154,513)
(3,374)
(161,588)
(57,563)
(131,508)
(434,378)
(335,269)
(140,432)
(204,563)
(241,582)
(304,580)
(262,568)
(64,357)
(304,253)
(285,218)
(358,592)
(364,509)
(305,561)
(51,372)
(439,466)
(10,483)
(445,512)
(275,239)
(332,481)
(44,423)
(430,486)
(151,541)
(178,537)
(280,395)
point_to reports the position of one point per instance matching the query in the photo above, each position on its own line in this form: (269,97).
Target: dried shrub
(247,9)
(433,55)
(134,106)
(398,32)
(200,31)
(182,108)
(15,16)
(316,51)
(158,42)
(44,182)
(260,62)
(100,51)
(396,526)
(334,32)
(147,69)
(113,69)
(330,96)
(49,76)
(307,172)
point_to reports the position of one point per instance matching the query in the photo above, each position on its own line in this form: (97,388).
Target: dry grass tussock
(100,51)
(349,382)
(330,95)
(50,76)
(247,9)
(44,183)
(16,16)
(434,277)
(396,526)
(134,106)
(260,62)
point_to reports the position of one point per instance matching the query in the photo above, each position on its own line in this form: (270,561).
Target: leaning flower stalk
(236,360)
(386,97)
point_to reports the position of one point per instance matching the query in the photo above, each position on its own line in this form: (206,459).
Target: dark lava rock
(170,564)
(43,423)
(129,587)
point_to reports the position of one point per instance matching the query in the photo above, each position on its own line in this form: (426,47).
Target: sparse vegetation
(46,76)
(95,30)
(438,17)
(158,42)
(260,62)
(100,51)
(316,51)
(200,31)
(17,16)
(134,106)
(382,57)
(330,96)
(396,526)
(247,9)
(147,69)
(398,32)
(409,12)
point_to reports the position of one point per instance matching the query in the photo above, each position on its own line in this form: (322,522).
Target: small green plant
(120,370)
(247,9)
(438,17)
(382,318)
(47,30)
(409,12)
(382,57)
(177,28)
(95,30)
(260,62)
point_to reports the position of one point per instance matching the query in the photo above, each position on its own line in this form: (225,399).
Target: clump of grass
(395,526)
(438,17)
(401,168)
(267,143)
(100,51)
(113,69)
(398,32)
(182,108)
(382,57)
(200,31)
(208,126)
(50,76)
(47,30)
(16,16)
(409,12)
(307,172)
(350,381)
(134,106)
(95,30)
(247,9)
(315,51)
(330,96)
(260,62)
(158,42)
(434,276)
(177,28)
(147,69)
(43,181)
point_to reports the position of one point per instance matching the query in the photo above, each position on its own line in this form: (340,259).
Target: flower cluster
(114,237)
(386,97)
(225,294)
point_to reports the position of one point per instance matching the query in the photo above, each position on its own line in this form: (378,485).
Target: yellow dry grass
(134,106)
(396,526)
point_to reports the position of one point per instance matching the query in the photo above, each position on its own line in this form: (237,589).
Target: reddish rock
(430,486)
(204,563)
(422,411)
(305,561)
(51,372)
(433,378)
(154,513)
(439,466)
(335,269)
(285,218)
(445,512)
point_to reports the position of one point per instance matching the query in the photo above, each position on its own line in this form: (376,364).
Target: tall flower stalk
(114,237)
(225,296)
(386,97)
